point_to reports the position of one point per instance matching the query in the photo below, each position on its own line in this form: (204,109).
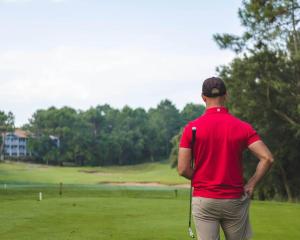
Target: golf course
(146,201)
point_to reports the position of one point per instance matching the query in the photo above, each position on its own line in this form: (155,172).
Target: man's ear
(203,98)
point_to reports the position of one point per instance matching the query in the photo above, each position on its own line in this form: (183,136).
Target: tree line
(104,135)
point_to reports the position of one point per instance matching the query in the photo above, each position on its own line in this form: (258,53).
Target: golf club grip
(194,129)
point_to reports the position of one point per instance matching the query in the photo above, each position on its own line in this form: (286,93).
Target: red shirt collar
(216,110)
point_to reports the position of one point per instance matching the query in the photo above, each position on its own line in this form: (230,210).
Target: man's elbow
(269,159)
(185,172)
(184,160)
(181,171)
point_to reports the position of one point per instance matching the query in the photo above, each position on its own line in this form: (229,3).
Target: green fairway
(92,217)
(119,213)
(96,211)
(34,173)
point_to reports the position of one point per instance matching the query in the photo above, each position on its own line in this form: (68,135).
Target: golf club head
(191,233)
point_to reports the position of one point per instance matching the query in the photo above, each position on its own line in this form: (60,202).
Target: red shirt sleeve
(186,137)
(252,135)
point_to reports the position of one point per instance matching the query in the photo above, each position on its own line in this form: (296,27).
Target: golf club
(191,187)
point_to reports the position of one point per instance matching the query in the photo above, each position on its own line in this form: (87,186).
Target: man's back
(218,174)
(220,141)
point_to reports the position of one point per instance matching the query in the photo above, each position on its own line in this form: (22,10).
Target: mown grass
(35,173)
(121,213)
(86,210)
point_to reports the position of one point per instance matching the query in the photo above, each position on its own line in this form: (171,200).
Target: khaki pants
(231,214)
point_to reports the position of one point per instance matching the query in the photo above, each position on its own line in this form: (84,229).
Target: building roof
(19,133)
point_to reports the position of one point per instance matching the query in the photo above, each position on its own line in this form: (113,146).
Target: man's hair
(213,87)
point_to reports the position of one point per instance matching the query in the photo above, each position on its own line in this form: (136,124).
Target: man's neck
(211,105)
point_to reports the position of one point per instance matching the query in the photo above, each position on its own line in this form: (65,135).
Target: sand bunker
(146,184)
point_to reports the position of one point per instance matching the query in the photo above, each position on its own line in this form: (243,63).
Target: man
(220,197)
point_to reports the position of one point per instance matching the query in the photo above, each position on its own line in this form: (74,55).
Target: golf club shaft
(190,210)
(191,187)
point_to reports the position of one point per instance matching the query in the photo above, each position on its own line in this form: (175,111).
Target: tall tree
(264,84)
(6,125)
(267,24)
(63,123)
(191,111)
(165,122)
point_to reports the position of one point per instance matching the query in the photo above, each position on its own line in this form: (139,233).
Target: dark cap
(213,87)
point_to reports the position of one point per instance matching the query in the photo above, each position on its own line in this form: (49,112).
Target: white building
(15,143)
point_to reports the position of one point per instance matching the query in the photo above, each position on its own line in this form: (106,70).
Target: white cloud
(82,77)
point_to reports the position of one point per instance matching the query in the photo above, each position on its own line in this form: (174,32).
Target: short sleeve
(186,137)
(252,135)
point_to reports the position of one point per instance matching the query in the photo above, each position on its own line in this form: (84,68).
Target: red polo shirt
(220,141)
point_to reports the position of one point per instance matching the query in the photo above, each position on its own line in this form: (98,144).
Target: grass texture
(35,173)
(86,210)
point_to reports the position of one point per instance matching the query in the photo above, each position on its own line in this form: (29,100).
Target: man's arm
(184,163)
(261,151)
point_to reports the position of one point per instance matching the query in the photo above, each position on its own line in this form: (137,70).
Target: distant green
(34,173)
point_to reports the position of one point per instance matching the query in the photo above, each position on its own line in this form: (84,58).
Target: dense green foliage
(103,135)
(264,87)
(6,121)
(268,25)
(6,125)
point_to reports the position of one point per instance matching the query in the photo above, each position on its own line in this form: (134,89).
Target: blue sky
(81,53)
